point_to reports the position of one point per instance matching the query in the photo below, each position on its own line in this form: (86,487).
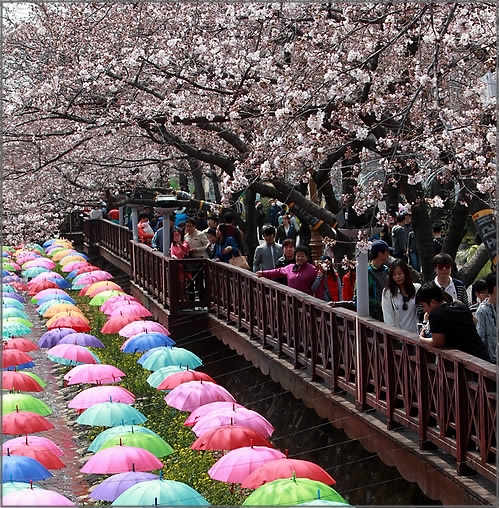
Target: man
(486,318)
(213,221)
(196,239)
(377,276)
(267,254)
(451,324)
(438,239)
(233,230)
(399,238)
(287,258)
(453,287)
(144,229)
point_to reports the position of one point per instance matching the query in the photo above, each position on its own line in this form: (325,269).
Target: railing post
(135,222)
(462,420)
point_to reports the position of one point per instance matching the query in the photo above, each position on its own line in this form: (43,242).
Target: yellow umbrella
(61,307)
(63,242)
(62,253)
(70,259)
(65,314)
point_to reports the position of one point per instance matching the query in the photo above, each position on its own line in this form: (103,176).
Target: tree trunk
(214,181)
(455,229)
(471,269)
(250,237)
(197,177)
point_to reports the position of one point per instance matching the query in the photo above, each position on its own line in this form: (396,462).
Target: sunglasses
(445,266)
(404,305)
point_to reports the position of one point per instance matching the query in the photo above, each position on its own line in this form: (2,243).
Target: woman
(327,285)
(225,246)
(286,230)
(398,300)
(300,275)
(179,248)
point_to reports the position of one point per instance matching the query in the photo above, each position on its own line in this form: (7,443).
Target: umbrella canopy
(46,262)
(52,337)
(43,455)
(68,319)
(236,465)
(99,286)
(101,373)
(145,341)
(9,486)
(12,402)
(51,294)
(36,497)
(24,422)
(13,329)
(151,442)
(45,442)
(166,356)
(160,493)
(74,265)
(23,469)
(34,271)
(177,378)
(290,492)
(110,414)
(53,310)
(40,285)
(99,394)
(208,408)
(229,437)
(134,308)
(112,487)
(76,312)
(37,378)
(20,344)
(17,319)
(115,323)
(233,416)
(82,339)
(13,312)
(159,375)
(100,298)
(111,302)
(188,396)
(13,357)
(142,326)
(8,303)
(285,467)
(105,435)
(12,380)
(73,353)
(121,459)
(75,257)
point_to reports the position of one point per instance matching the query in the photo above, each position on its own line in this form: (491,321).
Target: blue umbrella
(145,341)
(55,296)
(18,468)
(169,356)
(22,366)
(62,283)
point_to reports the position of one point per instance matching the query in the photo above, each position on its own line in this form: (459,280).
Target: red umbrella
(40,285)
(33,440)
(99,373)
(286,468)
(20,286)
(24,422)
(20,344)
(13,357)
(172,381)
(229,437)
(117,322)
(13,380)
(75,322)
(43,455)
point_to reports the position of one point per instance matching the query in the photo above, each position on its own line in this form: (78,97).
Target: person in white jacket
(398,301)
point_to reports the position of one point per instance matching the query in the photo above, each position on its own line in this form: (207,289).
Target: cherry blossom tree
(272,96)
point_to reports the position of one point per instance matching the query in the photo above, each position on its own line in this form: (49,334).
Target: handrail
(447,397)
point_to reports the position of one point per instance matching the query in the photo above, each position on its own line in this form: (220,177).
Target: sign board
(485,224)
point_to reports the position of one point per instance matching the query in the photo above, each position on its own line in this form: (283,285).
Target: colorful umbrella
(73,353)
(17,319)
(13,402)
(24,422)
(166,356)
(110,414)
(160,493)
(43,455)
(51,294)
(94,373)
(188,396)
(99,394)
(8,303)
(34,271)
(75,322)
(133,308)
(112,487)
(19,381)
(145,341)
(233,416)
(236,465)
(229,437)
(22,469)
(105,435)
(8,297)
(100,298)
(285,467)
(36,497)
(24,345)
(33,440)
(142,326)
(151,442)
(37,378)
(87,279)
(82,339)
(159,375)
(73,258)
(14,357)
(177,378)
(121,459)
(116,323)
(208,408)
(52,337)
(291,492)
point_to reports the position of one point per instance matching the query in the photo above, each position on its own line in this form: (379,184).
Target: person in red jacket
(327,284)
(144,229)
(349,283)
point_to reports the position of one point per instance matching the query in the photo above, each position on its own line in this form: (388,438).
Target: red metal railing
(448,398)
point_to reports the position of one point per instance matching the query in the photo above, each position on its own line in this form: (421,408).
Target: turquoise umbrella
(34,271)
(8,303)
(105,435)
(10,486)
(14,329)
(110,414)
(160,493)
(17,319)
(159,375)
(171,356)
(13,312)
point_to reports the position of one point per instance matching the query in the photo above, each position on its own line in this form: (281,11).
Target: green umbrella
(105,435)
(8,266)
(291,492)
(159,375)
(24,402)
(324,502)
(100,298)
(8,312)
(160,493)
(153,443)
(110,414)
(17,319)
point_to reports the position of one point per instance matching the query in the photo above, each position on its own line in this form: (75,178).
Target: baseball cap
(379,246)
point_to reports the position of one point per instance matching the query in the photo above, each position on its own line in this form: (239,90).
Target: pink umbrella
(94,276)
(98,394)
(120,459)
(229,416)
(238,464)
(45,262)
(117,305)
(188,396)
(45,276)
(208,408)
(49,291)
(33,440)
(35,497)
(142,326)
(133,308)
(87,269)
(110,302)
(74,265)
(99,373)
(73,352)
(115,323)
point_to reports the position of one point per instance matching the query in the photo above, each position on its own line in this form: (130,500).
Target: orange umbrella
(98,287)
(61,307)
(62,253)
(72,258)
(66,313)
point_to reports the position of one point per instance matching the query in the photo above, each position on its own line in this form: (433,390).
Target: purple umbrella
(52,337)
(112,487)
(16,296)
(82,339)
